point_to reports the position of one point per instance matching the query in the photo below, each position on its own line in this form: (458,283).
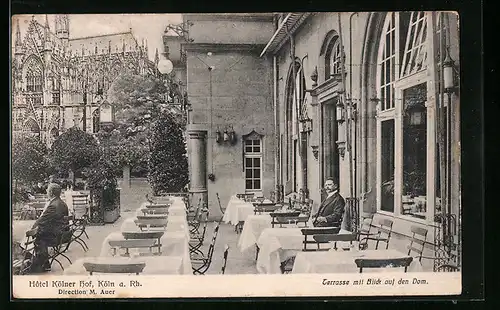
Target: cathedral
(59,82)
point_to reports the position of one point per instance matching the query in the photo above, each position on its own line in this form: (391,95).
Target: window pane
(248,149)
(248,173)
(248,162)
(256,184)
(248,142)
(256,149)
(256,162)
(248,184)
(415,150)
(256,173)
(387,166)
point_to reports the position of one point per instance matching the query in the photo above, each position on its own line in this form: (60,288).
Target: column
(198,164)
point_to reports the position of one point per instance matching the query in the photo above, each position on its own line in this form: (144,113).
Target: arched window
(294,99)
(333,59)
(253,162)
(34,81)
(402,86)
(32,128)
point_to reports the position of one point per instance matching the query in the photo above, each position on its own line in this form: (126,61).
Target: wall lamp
(227,136)
(449,70)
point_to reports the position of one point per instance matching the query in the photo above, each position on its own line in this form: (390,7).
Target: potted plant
(104,190)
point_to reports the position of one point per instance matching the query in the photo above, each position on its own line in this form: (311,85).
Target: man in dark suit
(331,210)
(52,225)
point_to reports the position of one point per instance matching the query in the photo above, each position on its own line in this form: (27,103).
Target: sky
(149,27)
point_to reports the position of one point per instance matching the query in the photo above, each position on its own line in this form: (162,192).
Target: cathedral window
(34,82)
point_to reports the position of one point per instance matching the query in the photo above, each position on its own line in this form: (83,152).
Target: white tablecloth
(343,261)
(19,229)
(252,229)
(155,265)
(278,244)
(237,210)
(174,241)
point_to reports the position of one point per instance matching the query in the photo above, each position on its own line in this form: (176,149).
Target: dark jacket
(332,208)
(52,222)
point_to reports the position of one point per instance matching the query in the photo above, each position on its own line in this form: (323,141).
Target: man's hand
(321,219)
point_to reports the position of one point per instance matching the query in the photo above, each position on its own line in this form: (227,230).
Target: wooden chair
(281,218)
(61,247)
(152,216)
(153,211)
(22,265)
(327,238)
(383,263)
(418,240)
(383,234)
(224,260)
(128,244)
(134,268)
(262,207)
(201,263)
(77,227)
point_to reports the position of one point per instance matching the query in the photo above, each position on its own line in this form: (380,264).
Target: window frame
(252,155)
(399,85)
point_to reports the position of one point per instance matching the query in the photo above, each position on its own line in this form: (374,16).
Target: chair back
(311,232)
(385,228)
(418,240)
(265,207)
(212,243)
(220,206)
(135,268)
(153,211)
(80,205)
(383,263)
(224,260)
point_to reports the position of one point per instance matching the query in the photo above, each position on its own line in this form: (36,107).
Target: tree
(138,100)
(168,167)
(74,150)
(29,160)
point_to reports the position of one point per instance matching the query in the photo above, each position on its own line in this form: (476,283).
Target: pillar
(126,177)
(198,166)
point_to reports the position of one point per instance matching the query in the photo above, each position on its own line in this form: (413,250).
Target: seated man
(331,210)
(51,225)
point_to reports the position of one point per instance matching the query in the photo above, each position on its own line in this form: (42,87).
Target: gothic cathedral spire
(19,43)
(62,27)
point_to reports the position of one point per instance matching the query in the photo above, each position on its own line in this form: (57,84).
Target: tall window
(34,82)
(333,58)
(56,91)
(253,163)
(295,95)
(402,115)
(96,121)
(329,135)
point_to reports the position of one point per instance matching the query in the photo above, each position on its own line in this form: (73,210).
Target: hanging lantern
(218,136)
(448,76)
(226,136)
(232,137)
(340,112)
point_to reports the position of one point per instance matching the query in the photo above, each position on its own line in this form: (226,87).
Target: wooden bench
(135,268)
(147,211)
(151,223)
(132,244)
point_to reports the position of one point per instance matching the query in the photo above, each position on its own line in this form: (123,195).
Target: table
(252,229)
(278,244)
(343,261)
(155,265)
(237,211)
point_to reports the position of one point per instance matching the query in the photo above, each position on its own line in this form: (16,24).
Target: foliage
(74,150)
(137,100)
(29,160)
(168,168)
(101,180)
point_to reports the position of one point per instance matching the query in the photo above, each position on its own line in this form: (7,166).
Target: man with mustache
(331,210)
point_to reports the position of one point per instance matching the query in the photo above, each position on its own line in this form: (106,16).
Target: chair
(224,260)
(133,244)
(61,247)
(280,218)
(201,263)
(194,218)
(22,265)
(78,229)
(151,210)
(327,238)
(383,234)
(135,268)
(418,240)
(383,263)
(196,240)
(262,207)
(145,235)
(311,232)
(220,207)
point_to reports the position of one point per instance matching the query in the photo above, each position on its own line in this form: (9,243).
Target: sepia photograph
(259,150)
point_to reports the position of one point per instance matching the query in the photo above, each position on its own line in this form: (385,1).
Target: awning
(290,23)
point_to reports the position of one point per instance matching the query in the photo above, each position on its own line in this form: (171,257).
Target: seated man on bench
(331,210)
(52,225)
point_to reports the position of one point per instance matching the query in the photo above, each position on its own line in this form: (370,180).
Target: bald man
(51,225)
